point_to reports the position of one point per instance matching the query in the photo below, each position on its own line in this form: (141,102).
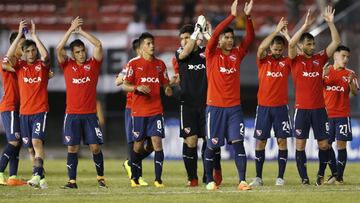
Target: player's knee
(260,144)
(137,147)
(95,148)
(37,144)
(15,143)
(323,144)
(191,141)
(282,144)
(73,149)
(300,144)
(341,144)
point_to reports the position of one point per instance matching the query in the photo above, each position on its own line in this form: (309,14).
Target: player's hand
(281,25)
(234,8)
(76,23)
(326,69)
(175,80)
(168,91)
(201,21)
(308,19)
(51,74)
(248,7)
(328,14)
(143,89)
(6,66)
(33,28)
(284,31)
(351,77)
(22,25)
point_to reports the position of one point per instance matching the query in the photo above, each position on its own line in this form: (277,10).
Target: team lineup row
(210,107)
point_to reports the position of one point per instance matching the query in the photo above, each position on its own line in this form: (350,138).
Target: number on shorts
(159,124)
(343,129)
(286,125)
(242,129)
(38,126)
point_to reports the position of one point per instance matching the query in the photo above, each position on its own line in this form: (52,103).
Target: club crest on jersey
(282,64)
(298,132)
(136,134)
(187,130)
(215,140)
(87,67)
(316,62)
(25,140)
(67,138)
(74,68)
(158,68)
(202,55)
(232,57)
(24,67)
(258,132)
(38,68)
(345,79)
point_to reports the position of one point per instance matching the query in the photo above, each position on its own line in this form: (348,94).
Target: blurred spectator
(134,29)
(188,12)
(159,13)
(268,27)
(217,15)
(293,10)
(143,9)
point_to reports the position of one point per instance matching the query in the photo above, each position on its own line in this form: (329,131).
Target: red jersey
(175,65)
(129,94)
(223,71)
(11,95)
(33,80)
(81,81)
(336,92)
(307,76)
(273,81)
(152,73)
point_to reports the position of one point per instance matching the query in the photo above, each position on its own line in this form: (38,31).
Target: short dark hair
(27,43)
(278,40)
(13,36)
(76,43)
(228,29)
(188,28)
(145,35)
(135,44)
(342,48)
(306,35)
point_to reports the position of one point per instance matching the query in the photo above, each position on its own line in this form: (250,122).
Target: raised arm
(250,33)
(42,50)
(295,39)
(11,51)
(261,53)
(98,51)
(328,16)
(60,49)
(207,30)
(213,42)
(189,47)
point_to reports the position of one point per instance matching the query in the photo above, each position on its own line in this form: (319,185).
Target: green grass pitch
(174,178)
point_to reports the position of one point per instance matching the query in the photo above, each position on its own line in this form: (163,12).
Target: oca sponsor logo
(196,67)
(32,80)
(274,74)
(81,80)
(311,74)
(149,80)
(335,88)
(227,70)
